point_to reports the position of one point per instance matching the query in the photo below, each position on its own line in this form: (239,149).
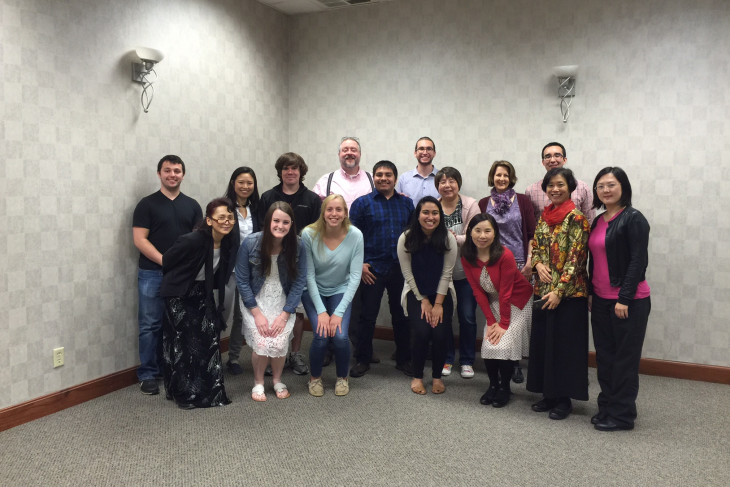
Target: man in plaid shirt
(554,155)
(381,216)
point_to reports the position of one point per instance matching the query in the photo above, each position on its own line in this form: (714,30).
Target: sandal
(281,391)
(417,387)
(257,393)
(438,386)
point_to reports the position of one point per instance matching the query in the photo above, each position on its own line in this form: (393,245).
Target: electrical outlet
(57,357)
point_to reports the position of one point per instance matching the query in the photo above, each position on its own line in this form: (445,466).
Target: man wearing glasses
(157,222)
(419,182)
(554,155)
(349,181)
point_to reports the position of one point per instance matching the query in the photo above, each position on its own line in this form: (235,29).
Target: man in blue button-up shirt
(419,182)
(381,216)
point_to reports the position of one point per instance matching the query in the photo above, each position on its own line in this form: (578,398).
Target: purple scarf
(502,201)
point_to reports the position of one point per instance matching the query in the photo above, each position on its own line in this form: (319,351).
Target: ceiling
(296,7)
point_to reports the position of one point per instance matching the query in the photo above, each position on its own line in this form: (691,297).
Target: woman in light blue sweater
(335,253)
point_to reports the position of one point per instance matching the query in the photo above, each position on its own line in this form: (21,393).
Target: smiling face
(552,157)
(448,188)
(482,235)
(221,222)
(335,213)
(557,190)
(243,186)
(384,180)
(290,175)
(349,154)
(609,190)
(501,179)
(425,152)
(171,175)
(429,217)
(280,224)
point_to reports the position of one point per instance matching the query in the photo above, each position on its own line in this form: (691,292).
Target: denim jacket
(250,277)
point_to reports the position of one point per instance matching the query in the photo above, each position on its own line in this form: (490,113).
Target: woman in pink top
(619,298)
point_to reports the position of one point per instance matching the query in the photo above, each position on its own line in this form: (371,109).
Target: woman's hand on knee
(335,325)
(323,324)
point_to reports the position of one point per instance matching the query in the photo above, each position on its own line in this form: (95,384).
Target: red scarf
(556,214)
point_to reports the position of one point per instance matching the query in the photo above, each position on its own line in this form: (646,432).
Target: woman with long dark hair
(558,365)
(335,254)
(243,191)
(620,300)
(505,297)
(271,272)
(427,252)
(192,268)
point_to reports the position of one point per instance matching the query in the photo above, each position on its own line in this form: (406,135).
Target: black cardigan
(182,262)
(627,252)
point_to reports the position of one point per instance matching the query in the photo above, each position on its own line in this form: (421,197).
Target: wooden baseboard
(43,406)
(66,398)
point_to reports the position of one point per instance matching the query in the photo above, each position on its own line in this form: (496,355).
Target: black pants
(370,297)
(618,351)
(422,333)
(499,372)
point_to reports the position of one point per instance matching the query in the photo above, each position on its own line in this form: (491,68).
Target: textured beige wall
(77,153)
(476,75)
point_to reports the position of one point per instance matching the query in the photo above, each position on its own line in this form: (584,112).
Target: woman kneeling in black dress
(192,324)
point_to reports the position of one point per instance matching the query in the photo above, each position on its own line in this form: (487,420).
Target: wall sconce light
(143,72)
(566,87)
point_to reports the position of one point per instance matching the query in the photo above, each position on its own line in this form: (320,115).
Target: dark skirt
(191,349)
(558,365)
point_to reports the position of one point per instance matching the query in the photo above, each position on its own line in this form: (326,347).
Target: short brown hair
(291,159)
(510,170)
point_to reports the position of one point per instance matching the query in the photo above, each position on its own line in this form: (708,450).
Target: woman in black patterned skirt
(192,324)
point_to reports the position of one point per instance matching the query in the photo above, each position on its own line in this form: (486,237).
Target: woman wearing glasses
(619,300)
(192,268)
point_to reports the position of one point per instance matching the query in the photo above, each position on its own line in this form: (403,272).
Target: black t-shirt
(166,220)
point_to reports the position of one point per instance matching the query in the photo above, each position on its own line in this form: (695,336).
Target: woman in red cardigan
(505,297)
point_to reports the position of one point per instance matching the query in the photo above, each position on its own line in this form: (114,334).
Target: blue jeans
(466,308)
(340,341)
(151,310)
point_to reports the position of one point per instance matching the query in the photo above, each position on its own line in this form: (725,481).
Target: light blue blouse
(331,272)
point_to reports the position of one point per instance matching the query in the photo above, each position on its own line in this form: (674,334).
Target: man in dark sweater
(157,222)
(291,169)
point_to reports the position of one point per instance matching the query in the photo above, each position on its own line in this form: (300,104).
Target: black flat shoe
(405,368)
(488,396)
(559,413)
(544,405)
(609,424)
(359,369)
(502,398)
(598,417)
(234,368)
(517,376)
(185,406)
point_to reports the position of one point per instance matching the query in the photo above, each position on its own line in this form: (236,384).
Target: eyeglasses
(557,155)
(227,219)
(609,186)
(424,149)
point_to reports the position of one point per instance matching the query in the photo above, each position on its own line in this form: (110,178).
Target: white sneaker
(446,371)
(467,372)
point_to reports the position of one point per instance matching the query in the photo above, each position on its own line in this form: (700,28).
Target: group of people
(332,252)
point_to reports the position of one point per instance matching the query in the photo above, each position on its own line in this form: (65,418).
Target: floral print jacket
(564,249)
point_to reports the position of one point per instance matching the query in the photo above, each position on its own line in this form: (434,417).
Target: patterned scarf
(502,201)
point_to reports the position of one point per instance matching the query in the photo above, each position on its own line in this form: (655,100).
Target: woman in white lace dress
(271,272)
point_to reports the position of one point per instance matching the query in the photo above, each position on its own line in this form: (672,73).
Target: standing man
(419,182)
(157,222)
(381,216)
(554,155)
(349,181)
(291,169)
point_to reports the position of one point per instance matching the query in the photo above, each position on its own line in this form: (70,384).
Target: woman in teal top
(335,255)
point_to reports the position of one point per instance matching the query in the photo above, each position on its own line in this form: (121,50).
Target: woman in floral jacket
(558,366)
